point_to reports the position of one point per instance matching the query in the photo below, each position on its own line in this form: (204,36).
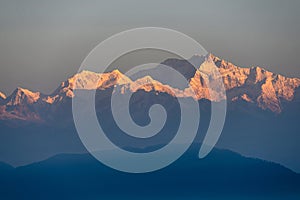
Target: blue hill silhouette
(80,176)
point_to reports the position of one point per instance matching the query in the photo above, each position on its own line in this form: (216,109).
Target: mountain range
(255,86)
(261,122)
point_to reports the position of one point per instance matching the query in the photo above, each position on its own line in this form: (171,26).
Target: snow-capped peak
(21,95)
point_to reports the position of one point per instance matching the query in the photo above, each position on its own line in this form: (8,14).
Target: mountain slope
(257,85)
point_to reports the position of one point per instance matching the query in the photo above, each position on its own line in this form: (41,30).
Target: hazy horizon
(44,42)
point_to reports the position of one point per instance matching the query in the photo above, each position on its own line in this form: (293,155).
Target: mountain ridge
(254,85)
(222,172)
(251,127)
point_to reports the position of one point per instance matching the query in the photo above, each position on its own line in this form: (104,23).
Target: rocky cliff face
(255,86)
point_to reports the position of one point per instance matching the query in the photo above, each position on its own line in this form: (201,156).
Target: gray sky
(43,42)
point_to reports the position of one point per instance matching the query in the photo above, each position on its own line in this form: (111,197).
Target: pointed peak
(220,62)
(209,58)
(213,58)
(93,80)
(20,95)
(84,73)
(259,69)
(145,79)
(25,91)
(19,89)
(114,77)
(117,74)
(261,73)
(116,71)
